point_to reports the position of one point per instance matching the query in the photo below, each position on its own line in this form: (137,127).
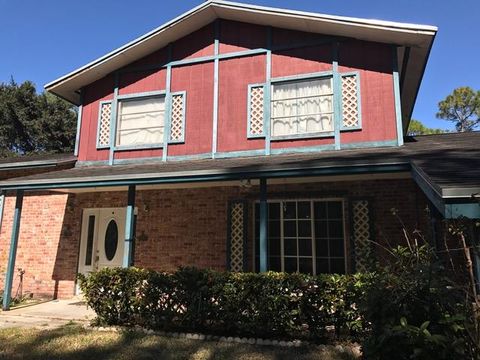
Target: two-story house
(242,138)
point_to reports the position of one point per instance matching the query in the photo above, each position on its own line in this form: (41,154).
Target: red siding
(142,81)
(237,36)
(232,106)
(197,44)
(197,80)
(93,94)
(302,61)
(371,60)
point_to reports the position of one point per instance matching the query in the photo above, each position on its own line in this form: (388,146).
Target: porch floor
(48,315)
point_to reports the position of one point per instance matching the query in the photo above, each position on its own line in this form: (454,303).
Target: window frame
(134,97)
(312,235)
(295,79)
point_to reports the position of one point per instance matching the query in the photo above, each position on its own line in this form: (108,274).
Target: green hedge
(245,304)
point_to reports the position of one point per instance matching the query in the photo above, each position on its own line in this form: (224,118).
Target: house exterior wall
(371,61)
(178,227)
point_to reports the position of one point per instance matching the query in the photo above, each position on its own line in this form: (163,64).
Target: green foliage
(34,123)
(248,304)
(416,312)
(417,128)
(462,107)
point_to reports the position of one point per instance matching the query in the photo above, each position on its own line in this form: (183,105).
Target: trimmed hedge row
(248,304)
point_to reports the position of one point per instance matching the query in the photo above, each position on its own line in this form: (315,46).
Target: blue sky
(42,40)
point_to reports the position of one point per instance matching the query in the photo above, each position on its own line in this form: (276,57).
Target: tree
(462,107)
(34,123)
(417,128)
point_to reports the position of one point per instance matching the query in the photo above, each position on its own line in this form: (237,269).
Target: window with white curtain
(141,121)
(302,107)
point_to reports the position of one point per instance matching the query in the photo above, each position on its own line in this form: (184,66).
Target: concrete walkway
(47,315)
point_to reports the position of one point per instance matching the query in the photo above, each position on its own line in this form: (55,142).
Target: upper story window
(141,121)
(302,107)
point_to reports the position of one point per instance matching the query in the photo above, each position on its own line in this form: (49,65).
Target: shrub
(415,311)
(268,305)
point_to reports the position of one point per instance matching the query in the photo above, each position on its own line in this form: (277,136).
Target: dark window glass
(322,266)
(274,246)
(289,210)
(335,210)
(336,247)
(274,211)
(320,210)
(290,264)
(304,228)
(90,233)
(305,265)
(111,240)
(321,246)
(290,228)
(337,266)
(305,247)
(321,229)
(335,228)
(290,247)
(275,263)
(274,228)
(304,210)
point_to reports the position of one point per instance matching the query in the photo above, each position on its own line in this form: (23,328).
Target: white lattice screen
(351,116)
(237,236)
(104,126)
(362,235)
(256,105)
(177,118)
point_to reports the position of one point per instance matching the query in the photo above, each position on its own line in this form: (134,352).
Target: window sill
(138,147)
(303,136)
(353,128)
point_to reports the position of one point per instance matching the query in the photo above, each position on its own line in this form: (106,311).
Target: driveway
(48,315)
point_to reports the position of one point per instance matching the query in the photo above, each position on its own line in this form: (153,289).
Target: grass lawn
(74,342)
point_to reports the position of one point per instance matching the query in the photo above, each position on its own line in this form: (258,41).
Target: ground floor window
(304,236)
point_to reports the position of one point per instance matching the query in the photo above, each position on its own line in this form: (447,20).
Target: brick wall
(176,226)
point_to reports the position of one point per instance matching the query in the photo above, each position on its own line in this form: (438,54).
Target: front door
(102,239)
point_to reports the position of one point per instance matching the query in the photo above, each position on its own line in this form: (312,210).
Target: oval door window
(111,240)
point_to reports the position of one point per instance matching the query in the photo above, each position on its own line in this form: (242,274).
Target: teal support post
(129,226)
(263,225)
(7,294)
(337,97)
(396,93)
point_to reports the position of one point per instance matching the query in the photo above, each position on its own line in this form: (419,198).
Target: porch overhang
(154,178)
(452,202)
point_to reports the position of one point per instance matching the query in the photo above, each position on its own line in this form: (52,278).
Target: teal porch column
(263,225)
(7,294)
(129,226)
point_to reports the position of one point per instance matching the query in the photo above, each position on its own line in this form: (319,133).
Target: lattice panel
(237,235)
(362,235)
(177,118)
(256,110)
(350,101)
(104,127)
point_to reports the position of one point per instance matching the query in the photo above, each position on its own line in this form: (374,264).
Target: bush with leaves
(268,305)
(415,311)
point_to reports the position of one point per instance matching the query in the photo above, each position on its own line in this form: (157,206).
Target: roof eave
(217,8)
